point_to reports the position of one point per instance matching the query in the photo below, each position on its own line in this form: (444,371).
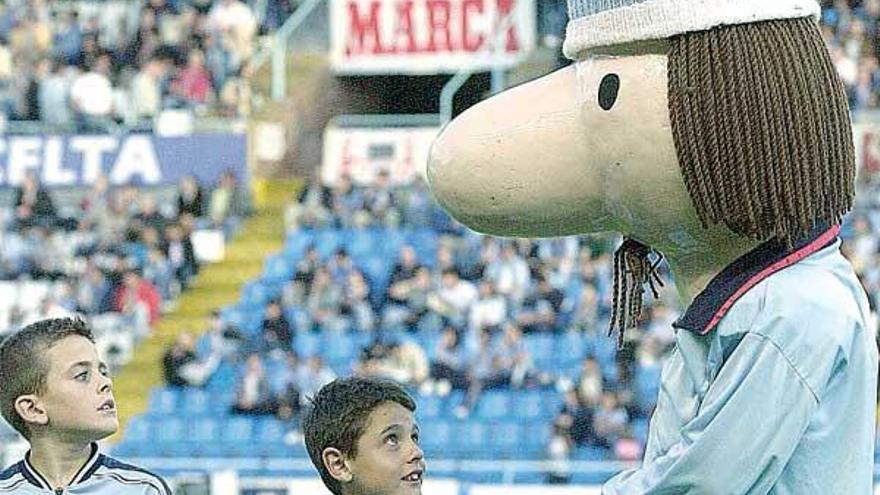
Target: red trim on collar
(789,260)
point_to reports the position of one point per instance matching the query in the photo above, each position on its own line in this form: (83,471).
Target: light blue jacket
(772,386)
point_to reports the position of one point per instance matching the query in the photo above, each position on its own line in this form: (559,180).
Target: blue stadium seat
(270,437)
(541,349)
(307,344)
(471,440)
(237,435)
(326,242)
(436,436)
(296,244)
(362,243)
(195,402)
(528,406)
(591,453)
(277,269)
(430,407)
(338,348)
(529,477)
(168,430)
(494,404)
(163,400)
(640,428)
(535,438)
(254,294)
(139,430)
(646,387)
(392,241)
(203,431)
(506,439)
(592,476)
(569,349)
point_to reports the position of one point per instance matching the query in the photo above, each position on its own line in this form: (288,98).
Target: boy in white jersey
(57,393)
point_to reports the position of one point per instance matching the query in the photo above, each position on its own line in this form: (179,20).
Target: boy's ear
(336,464)
(31,410)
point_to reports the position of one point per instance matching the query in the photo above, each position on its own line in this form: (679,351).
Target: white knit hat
(596,23)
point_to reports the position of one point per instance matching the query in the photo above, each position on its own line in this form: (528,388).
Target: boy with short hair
(363,439)
(56,392)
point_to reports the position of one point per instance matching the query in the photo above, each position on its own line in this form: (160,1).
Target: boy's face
(78,402)
(389,460)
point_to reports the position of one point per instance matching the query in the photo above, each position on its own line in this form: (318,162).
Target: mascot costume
(714,133)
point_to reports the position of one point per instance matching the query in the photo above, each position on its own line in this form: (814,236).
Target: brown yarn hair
(764,140)
(762,128)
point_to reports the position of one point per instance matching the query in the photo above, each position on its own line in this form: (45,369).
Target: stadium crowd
(92,66)
(479,296)
(851,30)
(117,255)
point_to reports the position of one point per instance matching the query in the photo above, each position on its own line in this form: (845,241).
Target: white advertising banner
(370,37)
(362,152)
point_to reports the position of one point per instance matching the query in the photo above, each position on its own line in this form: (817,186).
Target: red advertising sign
(429,36)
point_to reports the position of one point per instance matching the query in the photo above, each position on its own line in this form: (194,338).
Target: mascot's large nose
(517,164)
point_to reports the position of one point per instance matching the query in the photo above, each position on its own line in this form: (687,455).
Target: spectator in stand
(510,274)
(355,307)
(454,300)
(68,37)
(180,354)
(189,199)
(193,83)
(347,204)
(404,362)
(277,333)
(158,271)
(540,310)
(139,300)
(296,291)
(227,203)
(33,205)
(408,301)
(610,421)
(54,95)
(311,208)
(179,251)
(449,368)
(340,267)
(489,311)
(559,452)
(378,201)
(149,215)
(93,291)
(91,96)
(314,375)
(285,388)
(146,89)
(235,26)
(591,383)
(404,269)
(324,303)
(253,395)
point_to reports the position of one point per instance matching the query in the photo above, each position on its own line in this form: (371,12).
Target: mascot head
(698,129)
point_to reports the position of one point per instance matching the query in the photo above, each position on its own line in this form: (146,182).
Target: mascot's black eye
(608,89)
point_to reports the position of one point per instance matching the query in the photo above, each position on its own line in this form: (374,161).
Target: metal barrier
(277,50)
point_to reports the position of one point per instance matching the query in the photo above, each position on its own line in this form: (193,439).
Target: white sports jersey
(100,475)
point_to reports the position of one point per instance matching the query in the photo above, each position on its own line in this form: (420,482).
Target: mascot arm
(740,439)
